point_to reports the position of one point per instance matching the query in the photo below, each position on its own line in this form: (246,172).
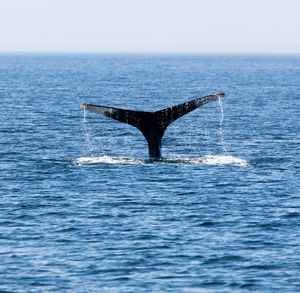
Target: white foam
(223,160)
(108,160)
(206,160)
(209,160)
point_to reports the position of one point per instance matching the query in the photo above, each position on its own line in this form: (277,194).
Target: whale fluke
(152,124)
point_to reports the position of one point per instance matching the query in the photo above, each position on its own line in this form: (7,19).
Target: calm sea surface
(82,209)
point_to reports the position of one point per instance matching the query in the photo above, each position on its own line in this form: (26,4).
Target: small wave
(21,106)
(206,160)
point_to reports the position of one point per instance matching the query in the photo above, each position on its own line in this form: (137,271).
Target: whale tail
(152,124)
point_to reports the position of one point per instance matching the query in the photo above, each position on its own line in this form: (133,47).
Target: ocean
(82,207)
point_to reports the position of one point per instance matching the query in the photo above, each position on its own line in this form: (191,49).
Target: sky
(174,26)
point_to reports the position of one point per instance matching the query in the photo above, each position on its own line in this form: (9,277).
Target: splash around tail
(193,161)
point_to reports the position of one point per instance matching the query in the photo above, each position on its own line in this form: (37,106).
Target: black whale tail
(152,124)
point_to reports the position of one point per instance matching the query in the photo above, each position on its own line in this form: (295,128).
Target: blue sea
(83,209)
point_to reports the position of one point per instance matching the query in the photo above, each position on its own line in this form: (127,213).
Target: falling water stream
(88,143)
(221,128)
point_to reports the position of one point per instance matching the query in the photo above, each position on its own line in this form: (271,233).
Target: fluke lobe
(152,124)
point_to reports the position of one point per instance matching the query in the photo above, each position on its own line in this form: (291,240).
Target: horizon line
(154,52)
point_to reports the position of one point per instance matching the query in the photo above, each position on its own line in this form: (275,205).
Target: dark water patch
(147,237)
(271,226)
(292,215)
(208,224)
(224,260)
(215,283)
(258,243)
(262,267)
(251,285)
(67,230)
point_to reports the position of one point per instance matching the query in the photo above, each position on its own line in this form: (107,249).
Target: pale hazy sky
(150,26)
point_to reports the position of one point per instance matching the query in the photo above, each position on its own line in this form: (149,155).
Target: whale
(152,124)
